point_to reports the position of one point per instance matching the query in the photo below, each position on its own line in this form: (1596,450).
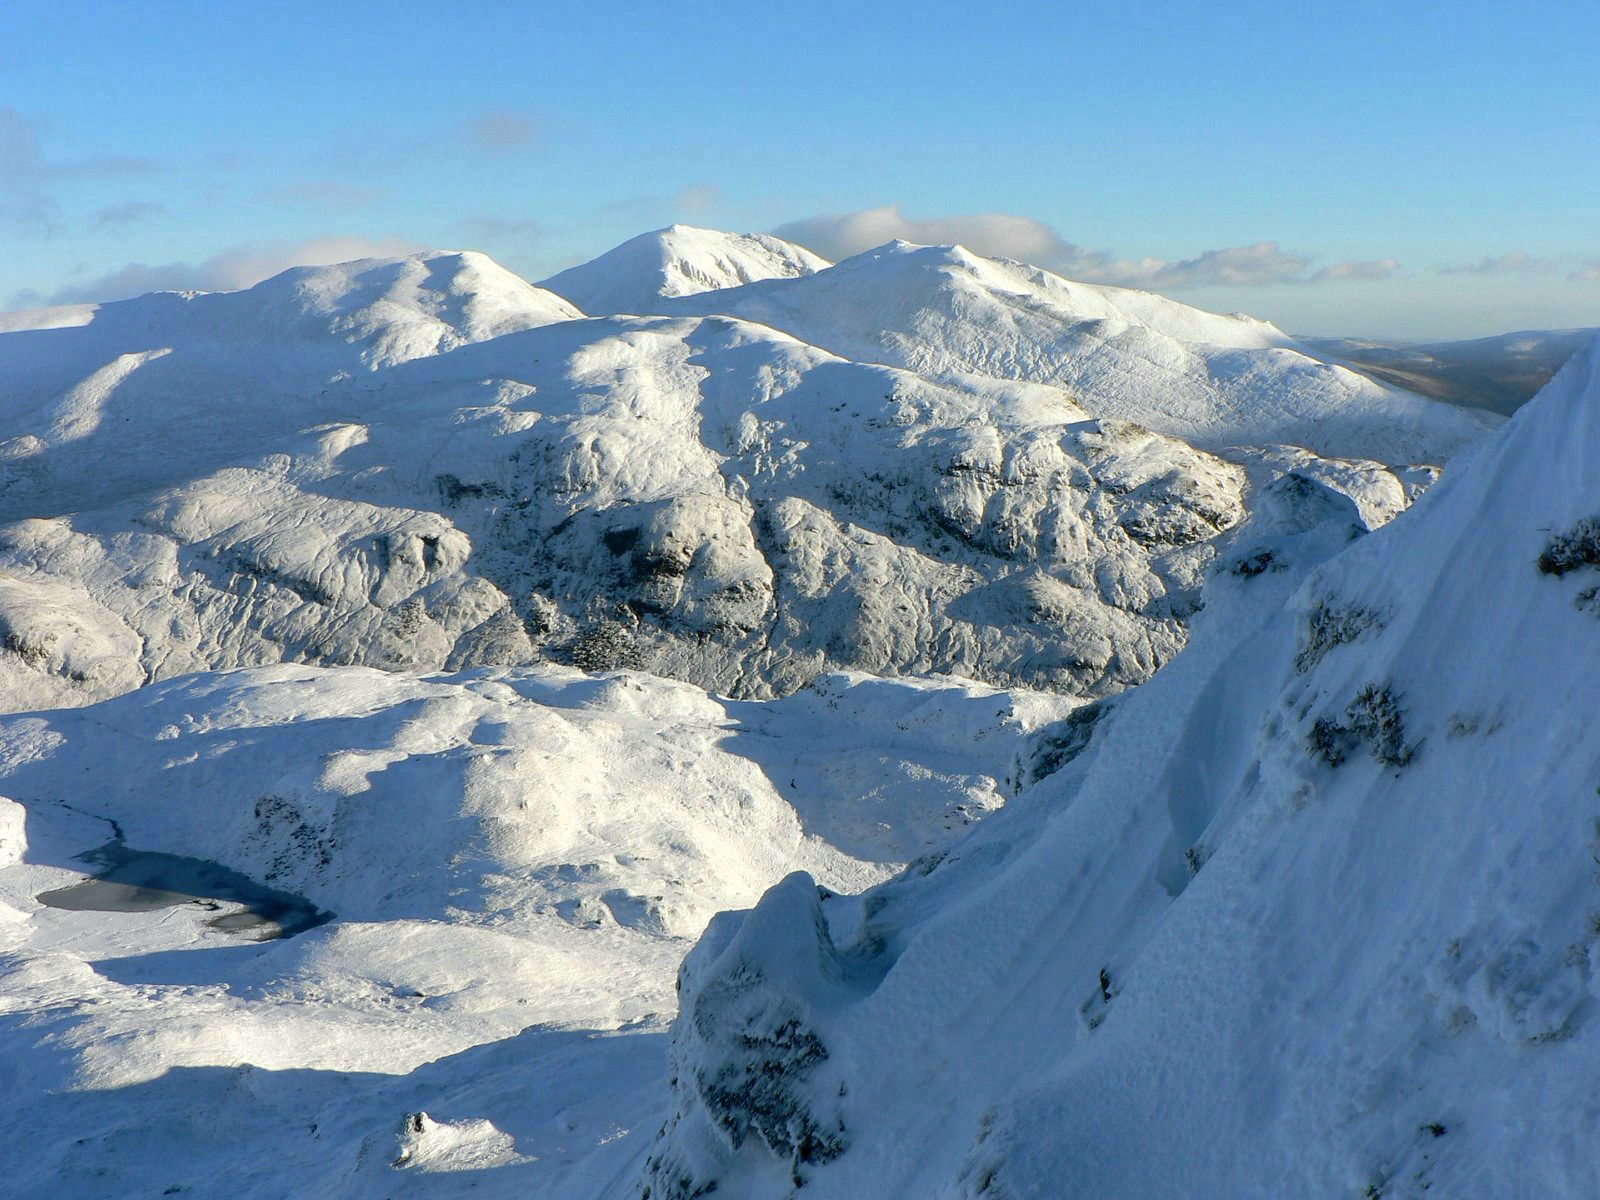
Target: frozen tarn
(1311,913)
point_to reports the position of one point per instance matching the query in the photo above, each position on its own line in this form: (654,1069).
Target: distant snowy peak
(680,260)
(1217,381)
(389,310)
(103,401)
(405,308)
(365,314)
(957,269)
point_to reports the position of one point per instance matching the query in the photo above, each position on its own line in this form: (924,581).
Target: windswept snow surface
(425,463)
(1312,913)
(678,261)
(514,860)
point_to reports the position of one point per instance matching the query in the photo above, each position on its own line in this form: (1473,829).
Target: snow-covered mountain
(678,261)
(426,463)
(1311,913)
(1215,381)
(98,402)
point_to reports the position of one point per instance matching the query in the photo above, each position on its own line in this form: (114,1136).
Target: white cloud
(1005,235)
(1000,235)
(1231,266)
(236,268)
(1586,272)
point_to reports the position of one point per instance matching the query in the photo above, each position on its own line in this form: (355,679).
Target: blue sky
(1422,170)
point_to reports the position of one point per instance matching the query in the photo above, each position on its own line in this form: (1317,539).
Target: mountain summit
(680,260)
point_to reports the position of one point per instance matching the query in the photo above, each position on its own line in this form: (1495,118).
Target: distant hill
(1499,373)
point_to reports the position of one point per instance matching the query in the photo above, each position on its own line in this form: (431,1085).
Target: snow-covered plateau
(722,723)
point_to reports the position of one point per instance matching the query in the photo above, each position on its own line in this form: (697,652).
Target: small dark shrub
(1373,719)
(607,646)
(1331,625)
(1255,564)
(1331,741)
(1569,551)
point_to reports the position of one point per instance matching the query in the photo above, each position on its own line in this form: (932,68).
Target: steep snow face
(702,498)
(678,261)
(513,860)
(1215,381)
(1311,913)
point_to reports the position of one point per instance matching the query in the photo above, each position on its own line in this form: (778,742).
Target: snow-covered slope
(419,463)
(1216,381)
(678,261)
(513,860)
(1312,913)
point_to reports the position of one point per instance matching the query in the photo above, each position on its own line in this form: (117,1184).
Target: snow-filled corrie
(1314,912)
(425,463)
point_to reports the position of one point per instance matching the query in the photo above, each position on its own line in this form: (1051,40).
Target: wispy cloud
(235,268)
(129,212)
(1586,272)
(29,176)
(326,194)
(697,198)
(1370,270)
(1006,235)
(504,227)
(1514,262)
(502,131)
